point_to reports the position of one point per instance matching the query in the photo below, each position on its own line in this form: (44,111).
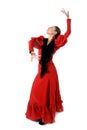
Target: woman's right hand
(33,55)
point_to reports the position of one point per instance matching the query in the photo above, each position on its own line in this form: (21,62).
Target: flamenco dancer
(45,98)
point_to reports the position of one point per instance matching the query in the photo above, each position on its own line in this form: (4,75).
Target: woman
(45,98)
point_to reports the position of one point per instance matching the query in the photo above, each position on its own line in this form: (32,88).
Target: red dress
(45,98)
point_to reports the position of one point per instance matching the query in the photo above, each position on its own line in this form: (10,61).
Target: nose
(49,28)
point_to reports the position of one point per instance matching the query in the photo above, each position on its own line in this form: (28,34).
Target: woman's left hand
(66,13)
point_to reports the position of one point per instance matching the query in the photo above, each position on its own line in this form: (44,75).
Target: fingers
(65,12)
(32,57)
(35,56)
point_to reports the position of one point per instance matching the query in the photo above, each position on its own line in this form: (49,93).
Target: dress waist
(46,62)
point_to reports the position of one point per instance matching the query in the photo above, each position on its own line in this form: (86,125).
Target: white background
(20,20)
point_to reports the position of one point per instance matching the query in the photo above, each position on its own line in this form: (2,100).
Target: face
(51,31)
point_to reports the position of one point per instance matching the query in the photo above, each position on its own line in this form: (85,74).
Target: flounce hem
(35,112)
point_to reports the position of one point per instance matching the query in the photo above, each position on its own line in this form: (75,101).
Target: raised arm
(68,31)
(62,39)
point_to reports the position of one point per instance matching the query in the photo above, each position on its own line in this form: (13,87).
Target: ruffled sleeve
(62,39)
(35,42)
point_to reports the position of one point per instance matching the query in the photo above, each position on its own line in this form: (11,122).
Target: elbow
(30,45)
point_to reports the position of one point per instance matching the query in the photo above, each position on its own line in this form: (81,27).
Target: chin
(49,33)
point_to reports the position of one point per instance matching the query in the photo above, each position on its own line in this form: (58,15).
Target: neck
(50,37)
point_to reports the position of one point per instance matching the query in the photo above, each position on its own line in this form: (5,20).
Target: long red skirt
(45,99)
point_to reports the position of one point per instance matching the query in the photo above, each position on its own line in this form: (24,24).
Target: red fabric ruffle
(45,99)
